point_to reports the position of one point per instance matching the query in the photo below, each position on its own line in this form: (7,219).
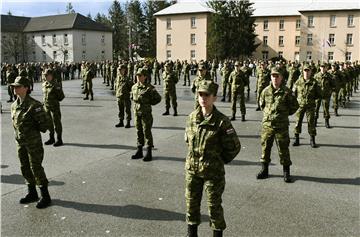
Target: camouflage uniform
(337,78)
(225,73)
(156,67)
(213,73)
(196,83)
(238,81)
(294,74)
(88,76)
(10,78)
(122,89)
(212,141)
(327,85)
(170,79)
(263,80)
(186,71)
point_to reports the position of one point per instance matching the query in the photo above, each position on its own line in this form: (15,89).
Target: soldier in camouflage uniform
(307,91)
(113,69)
(202,75)
(294,74)
(123,86)
(170,80)
(337,78)
(10,78)
(277,103)
(343,88)
(88,76)
(144,96)
(327,85)
(225,73)
(186,71)
(29,119)
(263,80)
(156,67)
(212,142)
(53,94)
(213,73)
(238,81)
(108,73)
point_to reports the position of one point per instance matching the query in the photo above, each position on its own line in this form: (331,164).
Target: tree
(103,19)
(118,23)
(9,13)
(15,45)
(232,29)
(89,15)
(136,22)
(69,8)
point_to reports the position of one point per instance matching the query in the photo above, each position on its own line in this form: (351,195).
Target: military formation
(282,89)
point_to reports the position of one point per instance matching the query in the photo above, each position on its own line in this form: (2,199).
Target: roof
(185,8)
(281,8)
(328,5)
(62,22)
(11,23)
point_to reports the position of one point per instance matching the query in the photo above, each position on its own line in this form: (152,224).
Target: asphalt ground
(97,190)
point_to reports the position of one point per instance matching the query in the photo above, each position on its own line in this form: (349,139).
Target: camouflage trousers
(31,156)
(143,124)
(258,93)
(310,116)
(214,189)
(342,95)
(11,92)
(235,94)
(213,75)
(325,104)
(186,78)
(88,88)
(226,89)
(170,95)
(124,105)
(157,77)
(54,115)
(335,96)
(281,136)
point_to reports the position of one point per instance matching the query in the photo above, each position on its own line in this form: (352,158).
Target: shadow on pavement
(19,179)
(249,136)
(127,211)
(342,146)
(349,181)
(169,128)
(4,166)
(81,106)
(348,127)
(103,146)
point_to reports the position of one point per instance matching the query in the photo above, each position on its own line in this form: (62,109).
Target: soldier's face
(20,91)
(206,100)
(276,80)
(140,78)
(202,72)
(49,77)
(307,74)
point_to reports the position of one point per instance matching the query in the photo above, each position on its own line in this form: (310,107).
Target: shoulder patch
(230,131)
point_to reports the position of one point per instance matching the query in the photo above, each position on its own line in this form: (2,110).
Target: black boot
(51,140)
(258,108)
(286,170)
(127,124)
(336,112)
(297,140)
(243,117)
(217,233)
(312,142)
(9,101)
(192,231)
(166,112)
(32,195)
(45,200)
(327,124)
(148,156)
(264,173)
(120,124)
(233,117)
(223,99)
(59,141)
(86,98)
(175,112)
(316,118)
(139,153)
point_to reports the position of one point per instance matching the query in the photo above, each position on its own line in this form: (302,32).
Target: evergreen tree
(103,19)
(136,22)
(9,13)
(69,8)
(118,22)
(89,15)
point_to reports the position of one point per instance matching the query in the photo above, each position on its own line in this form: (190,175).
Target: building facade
(61,38)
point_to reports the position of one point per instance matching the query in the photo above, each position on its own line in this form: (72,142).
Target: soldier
(202,75)
(10,78)
(343,88)
(337,78)
(186,71)
(327,85)
(238,81)
(213,73)
(170,80)
(225,73)
(103,71)
(53,94)
(212,142)
(88,76)
(108,73)
(156,72)
(113,69)
(123,86)
(144,96)
(29,119)
(294,74)
(263,80)
(306,90)
(277,102)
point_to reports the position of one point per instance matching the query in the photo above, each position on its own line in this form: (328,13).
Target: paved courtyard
(98,190)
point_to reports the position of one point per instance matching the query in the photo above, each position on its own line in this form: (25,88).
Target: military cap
(122,66)
(275,71)
(48,72)
(306,67)
(21,81)
(202,67)
(208,87)
(141,71)
(323,64)
(167,64)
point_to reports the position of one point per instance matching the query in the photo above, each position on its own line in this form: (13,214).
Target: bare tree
(15,45)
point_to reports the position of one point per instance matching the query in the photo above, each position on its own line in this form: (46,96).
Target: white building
(63,38)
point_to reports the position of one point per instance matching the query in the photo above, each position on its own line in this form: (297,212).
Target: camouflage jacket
(307,92)
(29,119)
(123,86)
(211,141)
(294,74)
(144,96)
(338,79)
(326,83)
(238,79)
(263,78)
(196,82)
(277,105)
(53,94)
(10,76)
(88,74)
(170,80)
(225,73)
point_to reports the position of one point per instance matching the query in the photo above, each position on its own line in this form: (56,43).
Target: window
(192,54)
(83,39)
(192,38)
(309,39)
(43,40)
(265,55)
(310,21)
(266,24)
(349,38)
(297,40)
(281,40)
(281,25)
(193,22)
(54,39)
(168,54)
(308,55)
(33,40)
(66,41)
(332,39)
(44,56)
(103,39)
(332,21)
(350,21)
(168,39)
(54,55)
(103,55)
(348,56)
(298,24)
(280,54)
(296,56)
(83,55)
(168,23)
(66,55)
(265,40)
(330,56)
(34,56)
